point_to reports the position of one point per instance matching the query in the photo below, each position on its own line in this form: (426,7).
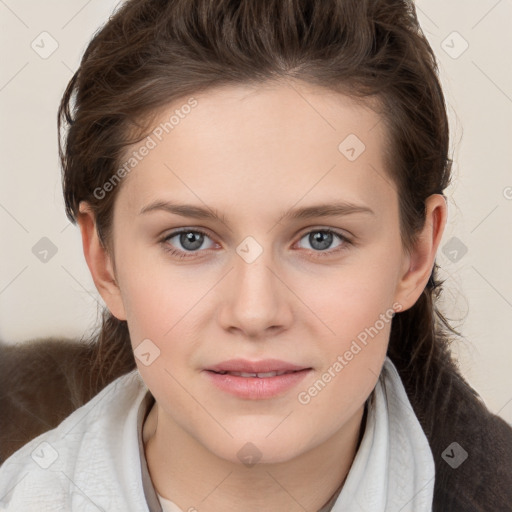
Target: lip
(262,366)
(256,388)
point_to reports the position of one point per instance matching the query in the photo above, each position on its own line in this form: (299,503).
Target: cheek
(162,322)
(349,301)
(155,296)
(356,312)
(351,363)
(164,318)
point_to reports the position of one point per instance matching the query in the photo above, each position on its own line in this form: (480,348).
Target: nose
(255,302)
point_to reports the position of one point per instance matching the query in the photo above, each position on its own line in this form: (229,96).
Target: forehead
(250,145)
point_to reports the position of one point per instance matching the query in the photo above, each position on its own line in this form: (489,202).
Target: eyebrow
(334,209)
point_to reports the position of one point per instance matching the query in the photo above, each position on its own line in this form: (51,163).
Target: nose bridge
(254,300)
(253,279)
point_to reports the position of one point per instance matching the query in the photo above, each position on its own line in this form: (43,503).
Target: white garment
(94,459)
(168,505)
(393,470)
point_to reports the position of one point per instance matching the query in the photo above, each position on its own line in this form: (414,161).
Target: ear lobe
(99,262)
(419,262)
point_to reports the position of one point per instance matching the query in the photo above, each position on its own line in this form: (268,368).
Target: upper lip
(262,366)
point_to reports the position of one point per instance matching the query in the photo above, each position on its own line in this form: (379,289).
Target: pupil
(320,240)
(191,241)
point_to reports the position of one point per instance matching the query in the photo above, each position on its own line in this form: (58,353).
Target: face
(286,258)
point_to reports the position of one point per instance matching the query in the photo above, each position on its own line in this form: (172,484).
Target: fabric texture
(94,460)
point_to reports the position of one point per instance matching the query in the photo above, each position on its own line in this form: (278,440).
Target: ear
(418,263)
(99,262)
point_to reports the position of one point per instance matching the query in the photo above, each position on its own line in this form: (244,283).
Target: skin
(251,153)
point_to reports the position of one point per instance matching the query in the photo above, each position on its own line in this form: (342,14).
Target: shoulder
(43,381)
(471,446)
(76,458)
(472,449)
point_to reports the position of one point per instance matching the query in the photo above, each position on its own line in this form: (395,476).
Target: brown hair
(153,52)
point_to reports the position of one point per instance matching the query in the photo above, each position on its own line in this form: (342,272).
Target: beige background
(58,297)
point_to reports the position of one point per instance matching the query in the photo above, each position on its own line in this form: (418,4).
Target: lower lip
(255,388)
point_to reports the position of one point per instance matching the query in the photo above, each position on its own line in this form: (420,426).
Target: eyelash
(191,254)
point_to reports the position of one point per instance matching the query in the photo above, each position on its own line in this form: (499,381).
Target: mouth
(261,375)
(256,380)
(244,367)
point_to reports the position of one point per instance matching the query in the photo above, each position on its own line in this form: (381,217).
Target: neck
(185,472)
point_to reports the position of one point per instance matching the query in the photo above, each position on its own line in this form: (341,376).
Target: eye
(186,241)
(319,240)
(189,242)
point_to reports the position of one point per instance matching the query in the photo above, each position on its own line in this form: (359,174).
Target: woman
(259,188)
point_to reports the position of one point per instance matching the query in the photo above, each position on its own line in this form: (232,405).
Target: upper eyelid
(335,231)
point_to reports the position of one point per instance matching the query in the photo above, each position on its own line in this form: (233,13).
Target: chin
(248,451)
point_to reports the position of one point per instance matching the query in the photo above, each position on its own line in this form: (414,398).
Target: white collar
(393,469)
